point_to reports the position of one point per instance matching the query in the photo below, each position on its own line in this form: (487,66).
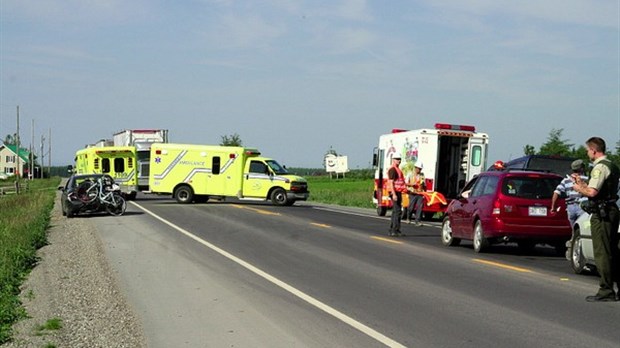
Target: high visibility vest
(418,181)
(399,183)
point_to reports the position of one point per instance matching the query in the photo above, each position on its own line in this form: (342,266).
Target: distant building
(8,160)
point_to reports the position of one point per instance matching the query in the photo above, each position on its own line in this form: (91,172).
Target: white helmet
(419,164)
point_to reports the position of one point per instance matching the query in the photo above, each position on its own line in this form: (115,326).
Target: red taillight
(497,207)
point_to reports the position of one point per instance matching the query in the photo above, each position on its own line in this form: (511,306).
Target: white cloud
(348,10)
(600,13)
(87,13)
(350,40)
(244,31)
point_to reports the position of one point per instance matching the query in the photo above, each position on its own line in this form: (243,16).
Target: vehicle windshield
(76,180)
(276,167)
(529,186)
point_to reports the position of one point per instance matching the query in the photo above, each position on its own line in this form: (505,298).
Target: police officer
(601,191)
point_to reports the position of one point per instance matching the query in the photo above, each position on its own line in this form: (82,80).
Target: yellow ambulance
(193,173)
(117,161)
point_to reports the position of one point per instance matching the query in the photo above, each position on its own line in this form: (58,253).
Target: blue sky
(295,78)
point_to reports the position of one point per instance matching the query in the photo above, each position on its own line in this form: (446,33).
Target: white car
(581,252)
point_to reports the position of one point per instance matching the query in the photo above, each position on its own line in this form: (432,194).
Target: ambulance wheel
(184,194)
(278,197)
(381,211)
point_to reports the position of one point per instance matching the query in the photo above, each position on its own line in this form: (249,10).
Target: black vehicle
(545,163)
(91,193)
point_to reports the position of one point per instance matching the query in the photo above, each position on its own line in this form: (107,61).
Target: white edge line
(311,300)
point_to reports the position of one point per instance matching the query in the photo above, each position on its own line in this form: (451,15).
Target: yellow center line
(386,240)
(260,211)
(502,265)
(320,225)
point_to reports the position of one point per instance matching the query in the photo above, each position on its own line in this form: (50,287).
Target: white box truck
(142,139)
(450,155)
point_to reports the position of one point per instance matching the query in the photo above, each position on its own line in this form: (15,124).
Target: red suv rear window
(531,187)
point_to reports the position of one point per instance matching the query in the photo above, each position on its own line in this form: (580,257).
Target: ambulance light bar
(252,152)
(455,127)
(398,130)
(112,151)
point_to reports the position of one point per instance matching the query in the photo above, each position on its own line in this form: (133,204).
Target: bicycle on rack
(102,193)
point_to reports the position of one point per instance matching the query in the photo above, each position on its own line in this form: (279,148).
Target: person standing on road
(601,191)
(415,185)
(396,187)
(573,198)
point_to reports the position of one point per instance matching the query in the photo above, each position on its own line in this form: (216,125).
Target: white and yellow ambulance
(193,173)
(117,161)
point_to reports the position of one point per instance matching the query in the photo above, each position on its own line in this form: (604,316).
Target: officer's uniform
(604,223)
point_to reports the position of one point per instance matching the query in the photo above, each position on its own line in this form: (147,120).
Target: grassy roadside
(353,192)
(24,220)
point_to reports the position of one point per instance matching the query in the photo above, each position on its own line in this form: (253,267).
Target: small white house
(9,163)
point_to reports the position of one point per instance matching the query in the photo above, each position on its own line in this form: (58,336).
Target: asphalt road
(254,275)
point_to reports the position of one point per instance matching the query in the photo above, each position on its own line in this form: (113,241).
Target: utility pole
(49,155)
(42,157)
(18,158)
(31,172)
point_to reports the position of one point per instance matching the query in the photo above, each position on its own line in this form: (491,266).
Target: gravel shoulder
(74,283)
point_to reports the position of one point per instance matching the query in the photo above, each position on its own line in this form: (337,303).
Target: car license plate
(537,211)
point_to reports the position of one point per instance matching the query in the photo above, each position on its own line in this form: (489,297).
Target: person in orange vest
(416,186)
(396,188)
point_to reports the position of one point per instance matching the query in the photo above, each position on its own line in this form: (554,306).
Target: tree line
(557,146)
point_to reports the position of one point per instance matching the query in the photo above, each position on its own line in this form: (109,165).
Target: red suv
(507,206)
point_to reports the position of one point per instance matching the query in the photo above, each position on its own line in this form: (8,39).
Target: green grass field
(355,192)
(24,220)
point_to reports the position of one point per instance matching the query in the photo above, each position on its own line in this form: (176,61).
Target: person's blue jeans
(574,211)
(417,202)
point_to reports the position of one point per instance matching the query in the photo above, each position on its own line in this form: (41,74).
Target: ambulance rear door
(477,155)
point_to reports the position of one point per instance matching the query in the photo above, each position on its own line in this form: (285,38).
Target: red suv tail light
(500,207)
(497,207)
